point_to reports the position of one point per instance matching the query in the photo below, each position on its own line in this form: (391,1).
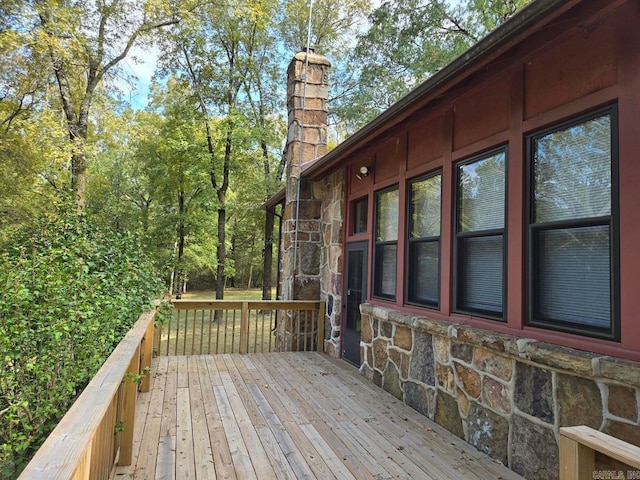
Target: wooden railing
(221,326)
(97,431)
(578,447)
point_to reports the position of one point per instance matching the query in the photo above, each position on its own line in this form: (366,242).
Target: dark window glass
(481,194)
(481,287)
(480,235)
(572,172)
(424,241)
(571,227)
(387,216)
(360,213)
(574,283)
(386,261)
(424,267)
(386,243)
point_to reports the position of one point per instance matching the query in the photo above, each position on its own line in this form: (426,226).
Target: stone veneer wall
(330,190)
(508,396)
(304,282)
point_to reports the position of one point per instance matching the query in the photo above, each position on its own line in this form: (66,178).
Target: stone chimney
(307,93)
(308,100)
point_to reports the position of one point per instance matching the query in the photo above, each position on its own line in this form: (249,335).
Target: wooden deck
(287,415)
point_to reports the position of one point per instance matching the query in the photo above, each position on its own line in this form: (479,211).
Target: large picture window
(480,242)
(386,244)
(571,234)
(424,241)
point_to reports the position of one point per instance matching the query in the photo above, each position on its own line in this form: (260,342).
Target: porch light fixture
(363,172)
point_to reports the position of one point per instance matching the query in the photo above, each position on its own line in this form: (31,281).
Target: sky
(140,63)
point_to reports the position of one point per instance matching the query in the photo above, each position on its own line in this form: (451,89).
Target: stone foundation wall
(508,396)
(331,191)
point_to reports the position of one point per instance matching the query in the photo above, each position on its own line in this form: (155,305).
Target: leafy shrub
(69,293)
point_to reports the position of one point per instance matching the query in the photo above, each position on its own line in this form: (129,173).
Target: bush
(70,292)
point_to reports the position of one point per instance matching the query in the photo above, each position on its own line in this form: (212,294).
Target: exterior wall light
(363,172)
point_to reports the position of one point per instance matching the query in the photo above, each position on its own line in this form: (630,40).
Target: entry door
(356,292)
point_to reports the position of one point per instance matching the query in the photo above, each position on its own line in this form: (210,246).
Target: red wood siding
(590,61)
(425,142)
(482,113)
(628,48)
(581,64)
(389,158)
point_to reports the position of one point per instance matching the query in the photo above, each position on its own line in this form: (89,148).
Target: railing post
(320,327)
(147,354)
(577,461)
(84,468)
(244,328)
(129,410)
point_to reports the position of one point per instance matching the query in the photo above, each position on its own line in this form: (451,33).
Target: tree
(177,167)
(33,150)
(333,24)
(33,155)
(409,40)
(83,44)
(215,51)
(268,128)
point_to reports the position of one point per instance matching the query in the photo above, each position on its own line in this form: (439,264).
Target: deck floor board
(288,415)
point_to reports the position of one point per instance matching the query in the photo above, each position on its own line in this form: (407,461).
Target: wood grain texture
(577,451)
(291,416)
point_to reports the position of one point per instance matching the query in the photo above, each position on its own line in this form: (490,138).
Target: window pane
(360,215)
(424,266)
(386,261)
(387,216)
(355,296)
(425,207)
(573,285)
(481,194)
(482,269)
(572,172)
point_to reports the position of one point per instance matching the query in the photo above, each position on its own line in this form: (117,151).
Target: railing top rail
(62,452)
(252,304)
(606,444)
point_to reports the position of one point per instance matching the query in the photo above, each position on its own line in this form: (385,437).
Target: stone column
(307,93)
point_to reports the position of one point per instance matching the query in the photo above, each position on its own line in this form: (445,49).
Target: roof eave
(508,34)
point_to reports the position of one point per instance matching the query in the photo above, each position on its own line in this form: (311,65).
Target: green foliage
(408,41)
(334,23)
(70,292)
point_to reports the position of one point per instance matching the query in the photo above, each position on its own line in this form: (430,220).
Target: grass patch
(201,331)
(195,332)
(230,294)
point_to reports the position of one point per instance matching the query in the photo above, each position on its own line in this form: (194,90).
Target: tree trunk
(180,273)
(222,253)
(267,265)
(79,178)
(222,217)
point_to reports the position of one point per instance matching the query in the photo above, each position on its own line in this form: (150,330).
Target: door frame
(359,245)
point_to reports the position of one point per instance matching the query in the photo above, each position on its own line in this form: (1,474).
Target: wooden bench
(578,446)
